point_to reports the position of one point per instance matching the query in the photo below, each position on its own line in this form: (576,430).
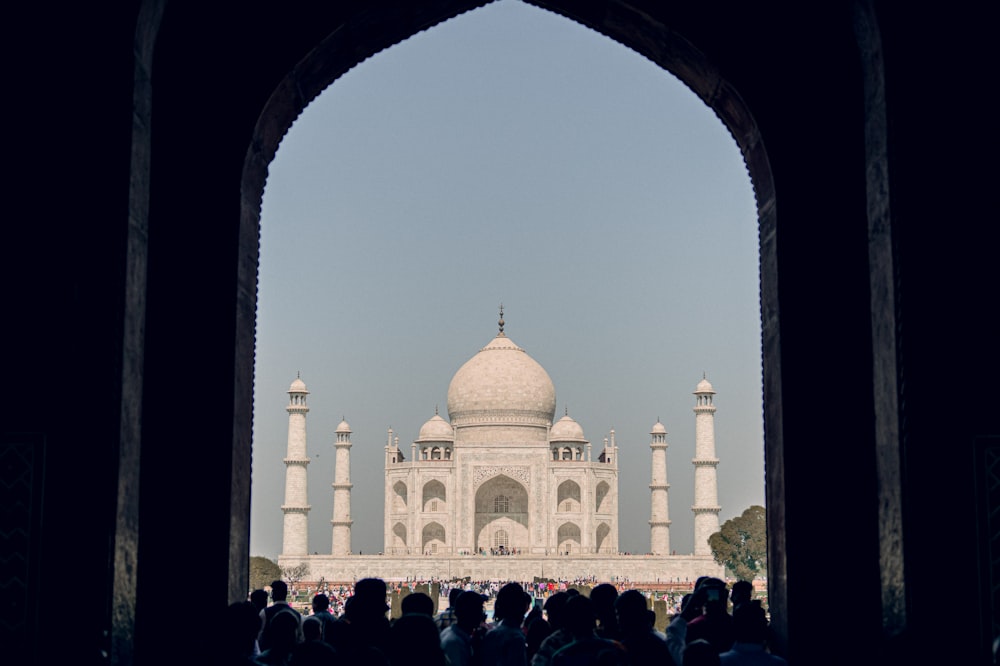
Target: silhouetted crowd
(570,629)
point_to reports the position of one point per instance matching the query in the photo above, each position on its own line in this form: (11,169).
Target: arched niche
(568,497)
(568,539)
(434,496)
(602,498)
(501,504)
(602,540)
(399,497)
(433,539)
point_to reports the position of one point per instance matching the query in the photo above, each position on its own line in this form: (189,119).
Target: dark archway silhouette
(142,135)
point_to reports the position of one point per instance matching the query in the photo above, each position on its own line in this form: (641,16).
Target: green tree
(262,572)
(741,544)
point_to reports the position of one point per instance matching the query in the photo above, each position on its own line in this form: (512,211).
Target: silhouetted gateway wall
(139,145)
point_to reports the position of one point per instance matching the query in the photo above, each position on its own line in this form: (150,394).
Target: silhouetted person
(537,629)
(313,650)
(716,624)
(560,637)
(700,653)
(322,614)
(242,624)
(415,641)
(691,608)
(362,634)
(504,645)
(279,595)
(459,640)
(741,594)
(446,618)
(417,602)
(750,629)
(259,599)
(587,648)
(603,597)
(283,636)
(635,623)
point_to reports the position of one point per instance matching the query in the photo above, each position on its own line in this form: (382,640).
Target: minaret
(659,516)
(342,492)
(706,487)
(295,540)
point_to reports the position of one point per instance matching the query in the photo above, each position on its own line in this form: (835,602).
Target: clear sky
(507,155)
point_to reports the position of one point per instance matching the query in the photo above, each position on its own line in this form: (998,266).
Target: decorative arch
(434,496)
(651,37)
(568,539)
(399,493)
(433,539)
(602,498)
(399,539)
(602,538)
(502,504)
(568,497)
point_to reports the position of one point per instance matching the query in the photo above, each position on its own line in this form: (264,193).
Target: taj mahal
(501,490)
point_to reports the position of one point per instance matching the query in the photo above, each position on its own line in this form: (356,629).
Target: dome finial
(567,410)
(501,318)
(435,410)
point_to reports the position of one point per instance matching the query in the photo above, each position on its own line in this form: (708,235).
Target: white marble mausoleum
(501,490)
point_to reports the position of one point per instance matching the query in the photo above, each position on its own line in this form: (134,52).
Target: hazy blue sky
(508,154)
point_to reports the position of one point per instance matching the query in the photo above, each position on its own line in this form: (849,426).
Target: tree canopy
(741,544)
(262,572)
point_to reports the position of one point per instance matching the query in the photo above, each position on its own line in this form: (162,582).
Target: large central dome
(501,385)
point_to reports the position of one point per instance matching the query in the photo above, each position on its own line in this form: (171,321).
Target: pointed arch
(568,538)
(399,539)
(434,496)
(433,539)
(502,504)
(602,498)
(568,497)
(399,493)
(602,538)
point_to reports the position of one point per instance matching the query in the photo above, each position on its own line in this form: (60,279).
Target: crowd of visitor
(567,628)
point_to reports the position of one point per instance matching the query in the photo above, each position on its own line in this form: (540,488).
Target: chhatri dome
(501,384)
(298,386)
(436,430)
(566,430)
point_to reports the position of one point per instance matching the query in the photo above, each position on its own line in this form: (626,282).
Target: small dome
(704,387)
(343,427)
(436,430)
(298,386)
(659,429)
(501,384)
(566,430)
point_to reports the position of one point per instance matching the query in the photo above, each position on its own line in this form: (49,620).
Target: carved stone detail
(483,473)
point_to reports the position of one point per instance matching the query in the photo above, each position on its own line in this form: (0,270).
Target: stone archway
(568,497)
(433,539)
(399,497)
(568,539)
(435,497)
(399,542)
(501,506)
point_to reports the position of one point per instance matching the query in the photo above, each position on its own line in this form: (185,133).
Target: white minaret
(295,540)
(706,487)
(342,492)
(659,516)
